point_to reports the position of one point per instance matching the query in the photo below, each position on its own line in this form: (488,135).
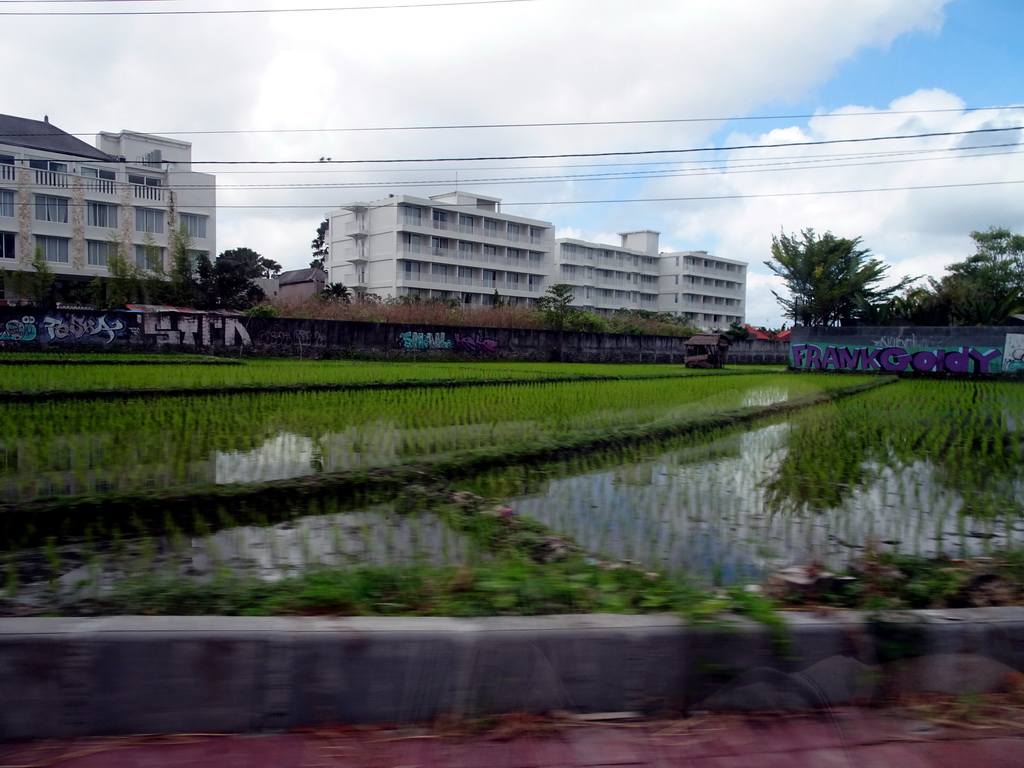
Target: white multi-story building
(79,204)
(709,290)
(454,245)
(460,245)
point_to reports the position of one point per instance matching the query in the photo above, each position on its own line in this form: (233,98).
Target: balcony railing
(357,227)
(469,282)
(475,231)
(7,172)
(146,192)
(51,179)
(428,251)
(105,186)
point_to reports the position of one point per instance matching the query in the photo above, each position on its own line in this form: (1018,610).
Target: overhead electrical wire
(721,170)
(693,198)
(618,153)
(565,124)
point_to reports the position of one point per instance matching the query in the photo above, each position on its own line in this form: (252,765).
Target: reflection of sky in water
(707,514)
(283,456)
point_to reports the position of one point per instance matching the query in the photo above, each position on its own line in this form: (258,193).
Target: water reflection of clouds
(704,510)
(280,457)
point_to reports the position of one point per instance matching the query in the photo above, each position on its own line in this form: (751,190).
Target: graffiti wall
(32,327)
(911,350)
(81,328)
(471,343)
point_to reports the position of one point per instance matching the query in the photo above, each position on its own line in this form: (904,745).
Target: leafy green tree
(828,278)
(320,246)
(37,285)
(555,307)
(986,287)
(232,279)
(737,331)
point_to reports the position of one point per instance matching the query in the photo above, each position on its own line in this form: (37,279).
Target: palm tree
(336,292)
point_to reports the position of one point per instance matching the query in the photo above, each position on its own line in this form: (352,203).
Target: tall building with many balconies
(709,290)
(455,245)
(460,245)
(79,204)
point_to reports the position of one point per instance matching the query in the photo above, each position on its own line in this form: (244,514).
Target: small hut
(706,350)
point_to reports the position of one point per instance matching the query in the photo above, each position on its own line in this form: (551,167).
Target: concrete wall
(981,350)
(92,676)
(24,326)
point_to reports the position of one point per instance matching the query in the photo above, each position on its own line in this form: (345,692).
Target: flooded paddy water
(917,466)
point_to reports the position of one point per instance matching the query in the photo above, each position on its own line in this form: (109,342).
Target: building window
(7,245)
(54,248)
(149,220)
(490,227)
(411,267)
(98,253)
(465,271)
(101,215)
(536,256)
(467,221)
(488,275)
(49,208)
(149,257)
(438,269)
(511,277)
(99,180)
(194,225)
(144,181)
(6,202)
(98,173)
(490,250)
(195,257)
(465,247)
(513,253)
(413,215)
(439,244)
(513,230)
(535,281)
(440,219)
(48,165)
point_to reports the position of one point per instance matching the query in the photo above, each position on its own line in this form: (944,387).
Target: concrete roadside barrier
(64,677)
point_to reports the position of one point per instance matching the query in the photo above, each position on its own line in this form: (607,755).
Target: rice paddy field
(111,467)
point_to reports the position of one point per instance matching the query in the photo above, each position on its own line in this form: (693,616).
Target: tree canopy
(983,289)
(829,279)
(320,246)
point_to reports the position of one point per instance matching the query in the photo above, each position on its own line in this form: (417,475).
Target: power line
(775,167)
(567,124)
(240,11)
(622,153)
(622,201)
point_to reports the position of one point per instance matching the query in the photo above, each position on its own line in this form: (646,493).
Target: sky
(745,118)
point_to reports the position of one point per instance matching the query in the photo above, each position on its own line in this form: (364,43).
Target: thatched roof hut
(706,350)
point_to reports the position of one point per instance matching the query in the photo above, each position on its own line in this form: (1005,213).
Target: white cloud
(553,60)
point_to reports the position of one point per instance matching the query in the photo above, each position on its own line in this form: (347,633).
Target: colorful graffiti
(19,330)
(896,359)
(475,343)
(419,340)
(165,329)
(76,327)
(1013,353)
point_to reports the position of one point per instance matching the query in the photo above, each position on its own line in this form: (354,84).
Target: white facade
(710,290)
(460,245)
(455,245)
(80,204)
